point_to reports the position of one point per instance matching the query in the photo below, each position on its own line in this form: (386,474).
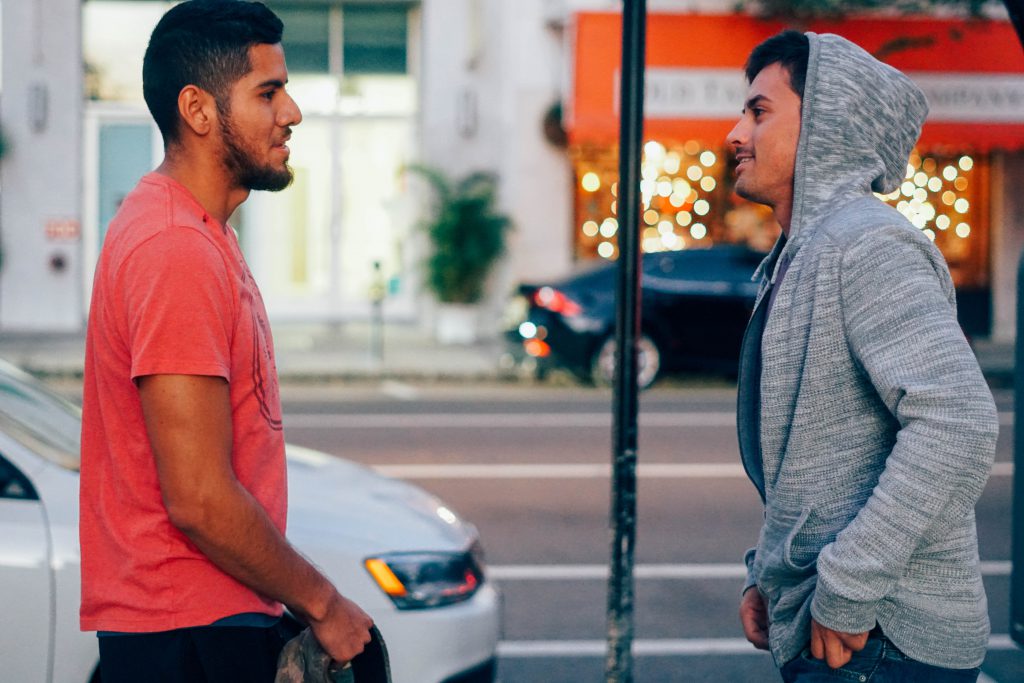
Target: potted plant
(467,236)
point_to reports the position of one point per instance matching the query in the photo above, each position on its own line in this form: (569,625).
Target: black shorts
(204,654)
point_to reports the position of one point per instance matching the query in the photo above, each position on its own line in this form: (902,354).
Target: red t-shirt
(172,295)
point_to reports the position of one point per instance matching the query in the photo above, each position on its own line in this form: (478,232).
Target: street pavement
(528,463)
(529,466)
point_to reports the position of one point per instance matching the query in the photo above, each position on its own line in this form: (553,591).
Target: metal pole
(1016,10)
(378,291)
(1017,548)
(619,662)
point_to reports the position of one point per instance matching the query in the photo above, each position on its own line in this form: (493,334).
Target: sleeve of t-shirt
(180,306)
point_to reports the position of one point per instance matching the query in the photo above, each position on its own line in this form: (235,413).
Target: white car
(409,561)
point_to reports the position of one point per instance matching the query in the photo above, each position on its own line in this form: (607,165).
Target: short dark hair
(203,43)
(789,49)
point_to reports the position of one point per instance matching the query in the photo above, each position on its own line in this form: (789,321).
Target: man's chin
(742,191)
(269,180)
(751,195)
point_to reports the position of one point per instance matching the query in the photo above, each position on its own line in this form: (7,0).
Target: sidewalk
(323,353)
(305,353)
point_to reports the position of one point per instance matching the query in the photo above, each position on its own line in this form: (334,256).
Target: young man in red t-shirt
(185,567)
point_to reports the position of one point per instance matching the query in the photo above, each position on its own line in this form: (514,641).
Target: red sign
(971,70)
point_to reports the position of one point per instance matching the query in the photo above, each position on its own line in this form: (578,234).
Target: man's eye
(268,95)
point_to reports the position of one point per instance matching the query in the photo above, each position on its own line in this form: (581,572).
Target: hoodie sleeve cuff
(842,614)
(750,581)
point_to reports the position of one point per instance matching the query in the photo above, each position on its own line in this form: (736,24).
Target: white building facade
(460,85)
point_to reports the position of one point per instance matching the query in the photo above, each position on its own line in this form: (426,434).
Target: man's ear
(197,109)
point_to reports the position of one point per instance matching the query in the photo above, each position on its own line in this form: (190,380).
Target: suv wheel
(602,367)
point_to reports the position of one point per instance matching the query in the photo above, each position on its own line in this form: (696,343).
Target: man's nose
(738,134)
(290,114)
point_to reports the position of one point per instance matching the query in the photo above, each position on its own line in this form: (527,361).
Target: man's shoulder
(152,215)
(152,205)
(866,224)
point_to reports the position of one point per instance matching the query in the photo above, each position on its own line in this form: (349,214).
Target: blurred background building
(526,89)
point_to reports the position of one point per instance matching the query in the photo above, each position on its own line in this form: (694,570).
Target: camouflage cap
(303,661)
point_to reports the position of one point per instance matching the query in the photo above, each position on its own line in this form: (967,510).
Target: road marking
(641,648)
(500,420)
(724,418)
(985,678)
(515,649)
(560,471)
(576,572)
(583,471)
(541,572)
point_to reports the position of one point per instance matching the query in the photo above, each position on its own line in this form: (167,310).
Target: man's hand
(835,647)
(344,630)
(754,617)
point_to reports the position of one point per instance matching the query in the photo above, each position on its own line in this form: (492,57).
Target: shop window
(306,38)
(375,40)
(112,56)
(688,202)
(686,195)
(944,194)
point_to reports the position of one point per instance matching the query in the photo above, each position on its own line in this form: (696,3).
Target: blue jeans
(879,662)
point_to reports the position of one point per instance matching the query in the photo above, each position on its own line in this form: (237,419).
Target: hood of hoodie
(859,122)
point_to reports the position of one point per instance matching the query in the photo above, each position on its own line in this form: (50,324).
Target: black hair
(790,49)
(203,43)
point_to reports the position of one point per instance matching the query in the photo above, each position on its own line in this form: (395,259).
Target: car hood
(330,498)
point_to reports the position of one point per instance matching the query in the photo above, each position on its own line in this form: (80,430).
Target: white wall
(41,117)
(490,71)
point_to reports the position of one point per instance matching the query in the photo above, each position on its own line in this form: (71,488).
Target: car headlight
(420,580)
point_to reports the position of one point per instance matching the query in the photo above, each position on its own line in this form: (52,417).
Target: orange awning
(971,70)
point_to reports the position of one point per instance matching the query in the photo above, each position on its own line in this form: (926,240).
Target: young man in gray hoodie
(863,418)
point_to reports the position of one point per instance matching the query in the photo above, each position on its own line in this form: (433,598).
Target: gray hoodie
(868,427)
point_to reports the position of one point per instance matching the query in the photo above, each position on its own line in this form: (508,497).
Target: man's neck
(207,180)
(784,215)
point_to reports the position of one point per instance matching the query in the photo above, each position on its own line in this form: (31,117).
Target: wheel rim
(648,362)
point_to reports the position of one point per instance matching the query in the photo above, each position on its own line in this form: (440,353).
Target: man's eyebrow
(754,101)
(272,83)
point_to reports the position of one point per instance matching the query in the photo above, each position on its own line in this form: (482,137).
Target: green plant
(467,234)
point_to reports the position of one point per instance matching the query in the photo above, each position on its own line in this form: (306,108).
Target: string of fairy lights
(934,195)
(677,187)
(686,190)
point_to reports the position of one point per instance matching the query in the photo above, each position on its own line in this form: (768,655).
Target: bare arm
(188,419)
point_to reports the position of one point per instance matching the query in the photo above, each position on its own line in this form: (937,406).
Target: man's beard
(243,166)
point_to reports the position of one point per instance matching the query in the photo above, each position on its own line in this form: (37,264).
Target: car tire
(602,366)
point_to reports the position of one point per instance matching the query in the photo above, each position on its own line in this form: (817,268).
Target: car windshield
(39,419)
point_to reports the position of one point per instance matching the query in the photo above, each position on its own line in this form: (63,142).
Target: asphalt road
(529,466)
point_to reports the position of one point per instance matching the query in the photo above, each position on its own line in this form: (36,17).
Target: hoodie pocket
(786,564)
(788,552)
(783,558)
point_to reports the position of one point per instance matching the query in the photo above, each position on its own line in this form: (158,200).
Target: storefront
(344,226)
(971,71)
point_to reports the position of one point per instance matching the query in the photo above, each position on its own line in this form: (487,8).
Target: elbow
(190,514)
(985,428)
